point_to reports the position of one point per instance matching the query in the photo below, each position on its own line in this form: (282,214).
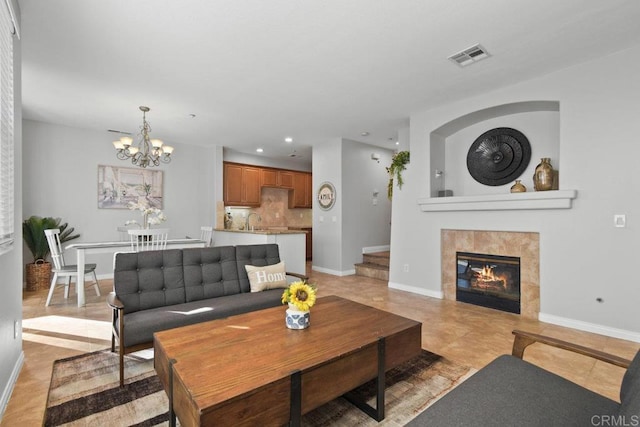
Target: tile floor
(469,335)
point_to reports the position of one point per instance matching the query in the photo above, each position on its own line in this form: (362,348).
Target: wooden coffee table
(251,370)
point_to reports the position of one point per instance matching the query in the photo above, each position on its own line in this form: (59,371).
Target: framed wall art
(118,186)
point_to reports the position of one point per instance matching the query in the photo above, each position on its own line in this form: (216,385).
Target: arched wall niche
(449,143)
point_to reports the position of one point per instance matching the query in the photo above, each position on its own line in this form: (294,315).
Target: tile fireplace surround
(524,245)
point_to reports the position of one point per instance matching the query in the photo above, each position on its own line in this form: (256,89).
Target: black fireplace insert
(488,280)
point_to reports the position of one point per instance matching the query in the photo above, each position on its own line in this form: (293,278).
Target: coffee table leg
(295,411)
(376,413)
(172,414)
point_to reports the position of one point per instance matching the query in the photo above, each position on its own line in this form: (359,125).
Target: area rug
(84,391)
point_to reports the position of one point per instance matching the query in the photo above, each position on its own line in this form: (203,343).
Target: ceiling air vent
(470,55)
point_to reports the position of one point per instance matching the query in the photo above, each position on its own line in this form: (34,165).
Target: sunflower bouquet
(300,295)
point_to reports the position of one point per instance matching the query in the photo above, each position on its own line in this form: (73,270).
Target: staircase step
(374,271)
(380,258)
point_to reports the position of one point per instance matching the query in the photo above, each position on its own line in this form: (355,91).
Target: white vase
(297,319)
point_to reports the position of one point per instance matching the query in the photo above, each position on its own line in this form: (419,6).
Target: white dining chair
(148,239)
(206,234)
(60,269)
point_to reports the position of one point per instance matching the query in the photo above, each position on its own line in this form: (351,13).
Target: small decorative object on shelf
(543,175)
(150,216)
(300,296)
(518,187)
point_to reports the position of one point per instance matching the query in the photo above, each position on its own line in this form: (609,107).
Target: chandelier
(147,152)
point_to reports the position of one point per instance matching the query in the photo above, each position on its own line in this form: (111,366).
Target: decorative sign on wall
(117,187)
(326,196)
(498,156)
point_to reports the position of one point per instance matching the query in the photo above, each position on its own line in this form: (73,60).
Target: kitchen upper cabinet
(241,185)
(302,193)
(269,177)
(277,178)
(285,179)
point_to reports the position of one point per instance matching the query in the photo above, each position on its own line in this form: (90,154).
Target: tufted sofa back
(151,279)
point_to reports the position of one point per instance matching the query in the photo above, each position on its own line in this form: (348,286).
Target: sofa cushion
(630,390)
(266,277)
(259,255)
(146,280)
(140,326)
(510,391)
(210,272)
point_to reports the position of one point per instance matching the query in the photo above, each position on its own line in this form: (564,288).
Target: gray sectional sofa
(158,290)
(512,392)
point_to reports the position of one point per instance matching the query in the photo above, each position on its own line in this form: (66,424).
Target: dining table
(87,248)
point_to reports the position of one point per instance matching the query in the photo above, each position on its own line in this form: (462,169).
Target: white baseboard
(371,249)
(415,290)
(6,393)
(590,327)
(333,272)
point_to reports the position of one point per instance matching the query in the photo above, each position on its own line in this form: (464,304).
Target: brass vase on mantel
(518,187)
(543,175)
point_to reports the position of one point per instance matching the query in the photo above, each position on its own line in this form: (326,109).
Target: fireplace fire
(488,280)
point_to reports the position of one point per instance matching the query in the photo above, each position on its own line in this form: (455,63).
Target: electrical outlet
(16,329)
(405,268)
(620,221)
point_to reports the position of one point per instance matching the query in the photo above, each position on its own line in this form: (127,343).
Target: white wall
(583,257)
(298,164)
(60,180)
(365,224)
(354,223)
(542,129)
(11,355)
(327,225)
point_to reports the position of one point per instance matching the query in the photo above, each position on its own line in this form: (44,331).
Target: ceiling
(254,72)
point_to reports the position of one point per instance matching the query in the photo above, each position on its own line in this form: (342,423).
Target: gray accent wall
(583,257)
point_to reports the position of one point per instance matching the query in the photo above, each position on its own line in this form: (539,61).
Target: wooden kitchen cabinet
(302,193)
(269,177)
(276,178)
(241,185)
(285,179)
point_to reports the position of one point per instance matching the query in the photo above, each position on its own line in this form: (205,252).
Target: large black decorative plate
(498,156)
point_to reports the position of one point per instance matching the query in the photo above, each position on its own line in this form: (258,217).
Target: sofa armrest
(524,339)
(299,276)
(114,302)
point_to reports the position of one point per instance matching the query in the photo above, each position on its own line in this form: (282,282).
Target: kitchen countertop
(259,231)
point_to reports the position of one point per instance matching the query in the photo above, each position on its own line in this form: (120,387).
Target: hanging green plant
(398,164)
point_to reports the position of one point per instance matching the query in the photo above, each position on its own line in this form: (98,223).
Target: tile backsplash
(273,211)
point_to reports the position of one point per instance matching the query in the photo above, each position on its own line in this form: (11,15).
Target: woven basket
(38,275)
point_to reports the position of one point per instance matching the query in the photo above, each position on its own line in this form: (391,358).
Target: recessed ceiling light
(365,134)
(288,139)
(259,150)
(397,142)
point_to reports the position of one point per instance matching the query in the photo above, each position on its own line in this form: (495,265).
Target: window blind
(6,131)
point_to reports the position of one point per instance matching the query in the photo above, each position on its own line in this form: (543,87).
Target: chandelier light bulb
(167,149)
(126,141)
(156,143)
(118,145)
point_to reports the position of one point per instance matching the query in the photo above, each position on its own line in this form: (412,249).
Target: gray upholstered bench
(159,290)
(512,392)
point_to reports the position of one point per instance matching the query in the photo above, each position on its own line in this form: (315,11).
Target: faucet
(246,226)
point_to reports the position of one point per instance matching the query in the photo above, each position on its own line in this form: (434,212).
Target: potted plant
(38,273)
(398,164)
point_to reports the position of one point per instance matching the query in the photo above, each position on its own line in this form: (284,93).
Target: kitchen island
(291,243)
